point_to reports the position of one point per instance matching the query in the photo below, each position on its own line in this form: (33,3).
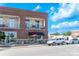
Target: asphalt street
(41,50)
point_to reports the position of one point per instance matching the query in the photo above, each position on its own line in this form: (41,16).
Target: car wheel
(58,44)
(63,43)
(67,43)
(72,42)
(49,44)
(53,43)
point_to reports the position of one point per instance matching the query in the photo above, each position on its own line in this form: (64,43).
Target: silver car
(56,41)
(74,41)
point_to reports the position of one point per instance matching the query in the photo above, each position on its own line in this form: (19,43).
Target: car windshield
(75,39)
(60,39)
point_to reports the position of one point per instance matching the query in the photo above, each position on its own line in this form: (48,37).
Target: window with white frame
(37,23)
(27,23)
(8,33)
(12,23)
(1,21)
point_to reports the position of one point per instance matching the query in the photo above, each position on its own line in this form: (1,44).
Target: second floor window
(1,21)
(37,23)
(27,23)
(12,23)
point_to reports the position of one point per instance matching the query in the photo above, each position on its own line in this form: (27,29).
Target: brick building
(23,23)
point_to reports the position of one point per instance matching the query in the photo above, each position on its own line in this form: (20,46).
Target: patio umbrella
(34,35)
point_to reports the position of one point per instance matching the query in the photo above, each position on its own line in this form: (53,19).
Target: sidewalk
(4,48)
(30,46)
(1,49)
(23,46)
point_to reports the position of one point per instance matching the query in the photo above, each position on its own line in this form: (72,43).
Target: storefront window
(11,34)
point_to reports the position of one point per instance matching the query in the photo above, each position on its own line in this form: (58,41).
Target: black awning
(37,33)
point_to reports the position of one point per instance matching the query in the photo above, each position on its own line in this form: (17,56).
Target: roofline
(19,9)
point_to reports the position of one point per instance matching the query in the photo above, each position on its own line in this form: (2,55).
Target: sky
(62,17)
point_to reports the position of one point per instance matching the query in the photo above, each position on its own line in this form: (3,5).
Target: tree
(2,35)
(68,33)
(56,33)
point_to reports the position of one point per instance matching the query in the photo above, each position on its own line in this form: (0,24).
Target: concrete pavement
(42,50)
(4,48)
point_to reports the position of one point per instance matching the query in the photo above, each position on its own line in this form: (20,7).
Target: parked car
(57,41)
(74,41)
(67,41)
(50,41)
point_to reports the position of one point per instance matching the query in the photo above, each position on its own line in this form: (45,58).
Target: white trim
(33,18)
(8,15)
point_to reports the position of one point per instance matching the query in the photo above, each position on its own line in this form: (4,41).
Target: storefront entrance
(35,37)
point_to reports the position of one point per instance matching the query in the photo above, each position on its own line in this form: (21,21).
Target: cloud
(65,11)
(37,8)
(51,10)
(65,25)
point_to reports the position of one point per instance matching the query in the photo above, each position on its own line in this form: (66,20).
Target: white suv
(56,41)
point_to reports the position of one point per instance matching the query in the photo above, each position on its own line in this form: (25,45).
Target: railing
(6,26)
(35,28)
(3,26)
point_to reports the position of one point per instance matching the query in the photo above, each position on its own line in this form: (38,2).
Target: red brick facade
(22,32)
